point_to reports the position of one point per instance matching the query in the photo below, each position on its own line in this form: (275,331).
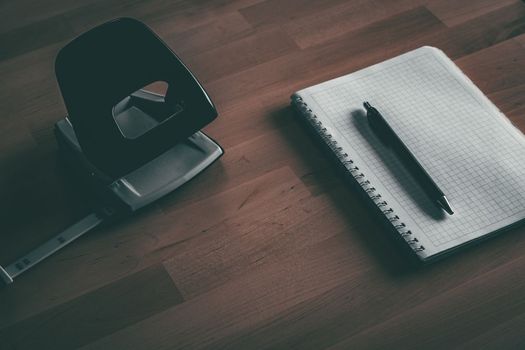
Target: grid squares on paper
(469,151)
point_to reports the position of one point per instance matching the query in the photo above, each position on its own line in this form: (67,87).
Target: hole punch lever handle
(49,247)
(5,276)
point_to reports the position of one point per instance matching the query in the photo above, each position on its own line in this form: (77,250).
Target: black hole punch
(132,133)
(101,74)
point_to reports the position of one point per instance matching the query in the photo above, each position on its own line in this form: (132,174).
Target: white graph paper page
(470,149)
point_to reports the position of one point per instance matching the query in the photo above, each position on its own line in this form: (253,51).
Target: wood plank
(346,310)
(238,55)
(36,35)
(278,12)
(211,35)
(508,335)
(496,68)
(327,24)
(232,249)
(435,317)
(104,311)
(453,13)
(481,32)
(23,13)
(245,303)
(165,17)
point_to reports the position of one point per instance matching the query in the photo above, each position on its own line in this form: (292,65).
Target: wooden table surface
(270,247)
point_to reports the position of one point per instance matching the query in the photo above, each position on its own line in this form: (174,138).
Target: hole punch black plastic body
(133,144)
(129,145)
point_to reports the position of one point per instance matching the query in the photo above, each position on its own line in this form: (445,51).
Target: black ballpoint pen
(389,137)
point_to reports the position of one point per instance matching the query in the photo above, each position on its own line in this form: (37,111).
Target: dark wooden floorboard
(270,247)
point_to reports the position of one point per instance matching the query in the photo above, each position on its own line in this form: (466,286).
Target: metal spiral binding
(358,175)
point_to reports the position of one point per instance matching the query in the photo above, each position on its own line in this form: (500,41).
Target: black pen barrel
(387,135)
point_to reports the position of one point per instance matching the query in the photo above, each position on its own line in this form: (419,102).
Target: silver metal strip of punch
(46,249)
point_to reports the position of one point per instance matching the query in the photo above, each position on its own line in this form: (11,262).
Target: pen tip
(444,203)
(367,105)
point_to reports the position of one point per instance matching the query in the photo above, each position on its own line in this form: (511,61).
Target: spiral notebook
(470,149)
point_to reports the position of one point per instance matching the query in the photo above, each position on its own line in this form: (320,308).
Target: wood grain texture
(103,311)
(270,248)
